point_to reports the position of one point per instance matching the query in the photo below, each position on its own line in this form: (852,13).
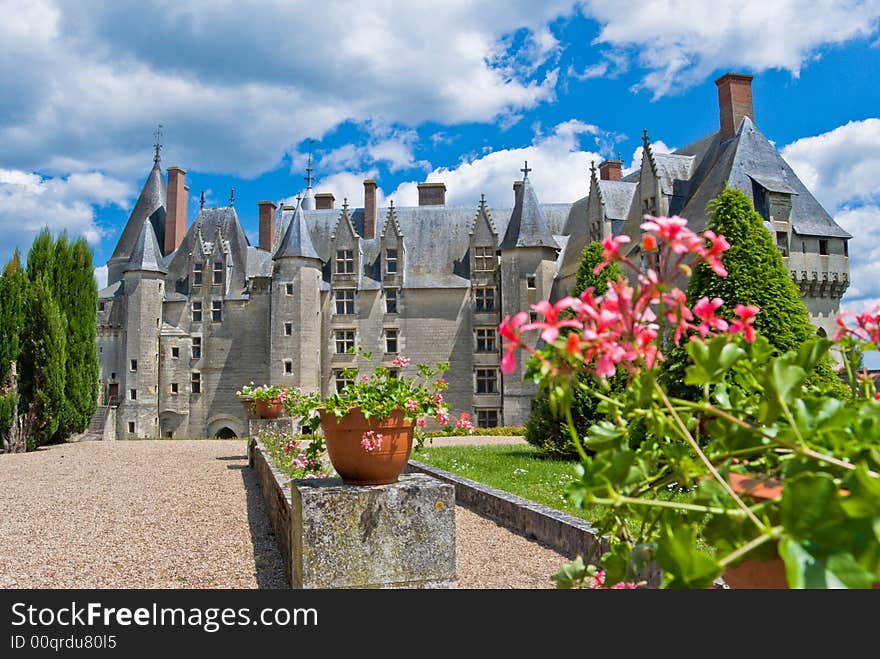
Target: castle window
(390,261)
(175,352)
(174,388)
(846,248)
(288,367)
(197,347)
(101,306)
(485,298)
(341,380)
(133,366)
(533,316)
(197,312)
(344,341)
(196,382)
(345,302)
(823,247)
(218,272)
(487,381)
(131,427)
(217,311)
(487,418)
(288,329)
(391,341)
(288,288)
(390,300)
(133,394)
(486,339)
(803,247)
(344,261)
(530,282)
(198,269)
(393,373)
(484,259)
(782,242)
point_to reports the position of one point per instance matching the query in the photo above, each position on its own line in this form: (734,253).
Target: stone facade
(200,313)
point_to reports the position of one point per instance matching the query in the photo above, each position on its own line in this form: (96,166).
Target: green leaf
(864,497)
(683,564)
(804,570)
(571,575)
(782,379)
(810,352)
(712,359)
(810,507)
(604,435)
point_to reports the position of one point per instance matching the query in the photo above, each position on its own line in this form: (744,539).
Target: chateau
(193,311)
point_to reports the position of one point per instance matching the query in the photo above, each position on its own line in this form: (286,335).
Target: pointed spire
(345,205)
(592,169)
(297,240)
(202,201)
(158,144)
(308,177)
(232,197)
(146,255)
(527,227)
(482,210)
(482,201)
(645,139)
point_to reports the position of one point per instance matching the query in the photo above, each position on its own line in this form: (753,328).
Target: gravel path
(183,514)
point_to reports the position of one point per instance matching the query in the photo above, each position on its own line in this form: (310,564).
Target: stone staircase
(95,431)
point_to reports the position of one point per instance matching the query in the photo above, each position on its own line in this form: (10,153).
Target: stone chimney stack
(611,170)
(267,224)
(517,185)
(432,194)
(369,209)
(324,201)
(175,207)
(734,102)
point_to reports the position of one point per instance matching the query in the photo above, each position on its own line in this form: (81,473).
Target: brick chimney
(176,211)
(324,201)
(432,194)
(267,224)
(611,170)
(516,188)
(734,102)
(369,209)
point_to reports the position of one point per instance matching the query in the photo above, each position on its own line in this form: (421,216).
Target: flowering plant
(295,457)
(267,393)
(379,395)
(667,470)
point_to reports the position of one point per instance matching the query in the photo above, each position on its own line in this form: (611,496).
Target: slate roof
(146,255)
(150,205)
(617,197)
(296,240)
(528,226)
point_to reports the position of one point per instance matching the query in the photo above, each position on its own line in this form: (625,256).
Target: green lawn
(519,469)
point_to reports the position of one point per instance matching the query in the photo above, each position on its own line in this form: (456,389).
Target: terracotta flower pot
(267,410)
(355,464)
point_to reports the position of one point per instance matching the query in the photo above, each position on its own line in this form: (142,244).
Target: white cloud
(101,276)
(683,42)
(560,170)
(657,146)
(842,166)
(28,202)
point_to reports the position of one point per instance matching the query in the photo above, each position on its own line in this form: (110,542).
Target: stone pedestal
(385,536)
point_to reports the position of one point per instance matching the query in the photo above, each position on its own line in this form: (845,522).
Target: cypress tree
(545,430)
(43,358)
(756,275)
(13,289)
(41,257)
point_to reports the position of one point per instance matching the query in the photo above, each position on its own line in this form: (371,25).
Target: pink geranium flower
(705,310)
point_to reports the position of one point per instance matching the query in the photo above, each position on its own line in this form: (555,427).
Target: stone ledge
(569,535)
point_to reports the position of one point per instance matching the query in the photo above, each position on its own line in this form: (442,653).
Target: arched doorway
(822,333)
(225,433)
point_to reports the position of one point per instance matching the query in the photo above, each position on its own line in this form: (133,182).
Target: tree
(13,289)
(756,275)
(43,358)
(545,430)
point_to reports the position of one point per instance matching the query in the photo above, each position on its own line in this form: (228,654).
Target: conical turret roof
(150,207)
(527,227)
(145,254)
(296,240)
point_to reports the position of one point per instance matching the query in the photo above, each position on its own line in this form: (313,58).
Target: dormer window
(391,261)
(484,259)
(198,271)
(218,272)
(344,262)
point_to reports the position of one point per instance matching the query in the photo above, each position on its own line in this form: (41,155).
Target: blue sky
(405,92)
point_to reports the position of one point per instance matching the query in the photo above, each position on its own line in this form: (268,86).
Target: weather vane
(525,170)
(158,145)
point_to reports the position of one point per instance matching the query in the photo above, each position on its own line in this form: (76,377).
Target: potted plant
(763,463)
(267,400)
(369,425)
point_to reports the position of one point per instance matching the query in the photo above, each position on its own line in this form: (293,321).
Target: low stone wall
(276,495)
(569,535)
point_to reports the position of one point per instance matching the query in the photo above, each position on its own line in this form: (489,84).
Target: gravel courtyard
(183,514)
